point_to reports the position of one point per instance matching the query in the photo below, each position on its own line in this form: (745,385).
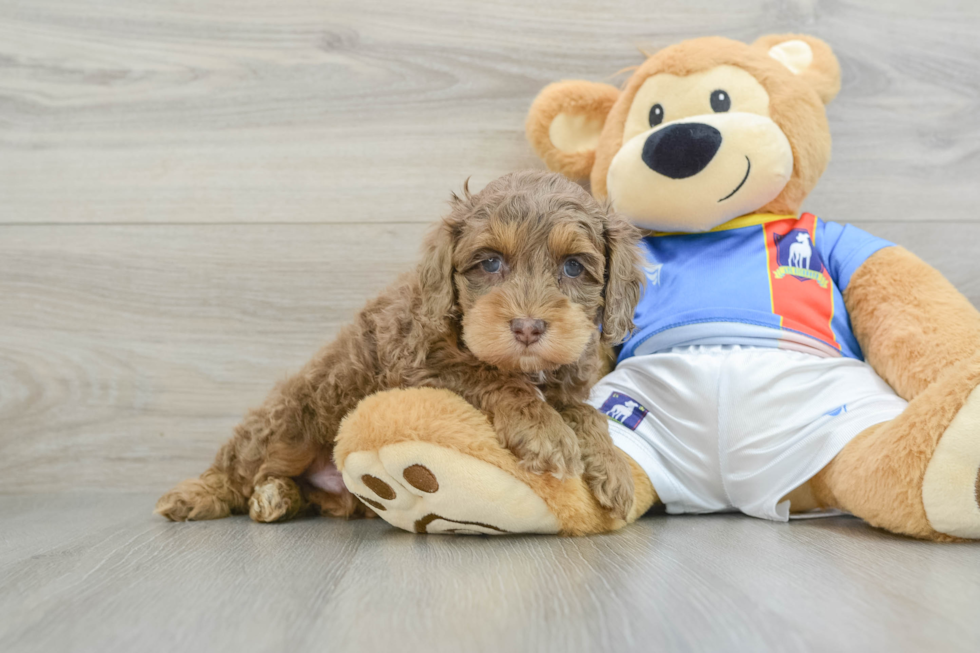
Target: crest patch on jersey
(797,257)
(624,409)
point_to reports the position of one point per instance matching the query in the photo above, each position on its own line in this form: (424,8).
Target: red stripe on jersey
(804,304)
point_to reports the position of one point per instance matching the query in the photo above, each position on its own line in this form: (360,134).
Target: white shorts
(723,428)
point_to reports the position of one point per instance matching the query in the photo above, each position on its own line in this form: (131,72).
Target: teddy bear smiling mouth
(748,169)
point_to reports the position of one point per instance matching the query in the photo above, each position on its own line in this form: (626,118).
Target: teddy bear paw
(425,488)
(951,485)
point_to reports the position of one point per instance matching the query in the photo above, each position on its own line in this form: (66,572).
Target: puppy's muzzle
(528,331)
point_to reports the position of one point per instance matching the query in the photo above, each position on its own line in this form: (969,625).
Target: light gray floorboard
(97,572)
(195,195)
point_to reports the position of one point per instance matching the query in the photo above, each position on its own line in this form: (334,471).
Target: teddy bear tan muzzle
(696,173)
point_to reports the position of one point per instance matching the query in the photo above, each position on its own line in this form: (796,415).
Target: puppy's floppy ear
(807,57)
(624,278)
(564,124)
(436,269)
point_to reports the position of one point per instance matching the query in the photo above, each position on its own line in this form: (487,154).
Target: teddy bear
(781,364)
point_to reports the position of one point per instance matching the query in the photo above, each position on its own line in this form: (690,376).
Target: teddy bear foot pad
(951,486)
(425,488)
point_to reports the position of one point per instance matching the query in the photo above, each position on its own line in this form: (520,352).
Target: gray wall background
(195,195)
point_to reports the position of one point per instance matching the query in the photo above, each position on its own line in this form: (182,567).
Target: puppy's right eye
(491,265)
(572,268)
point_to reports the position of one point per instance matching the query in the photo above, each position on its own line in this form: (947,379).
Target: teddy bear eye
(720,101)
(656,115)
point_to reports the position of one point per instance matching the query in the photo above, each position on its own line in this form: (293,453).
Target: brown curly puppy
(518,288)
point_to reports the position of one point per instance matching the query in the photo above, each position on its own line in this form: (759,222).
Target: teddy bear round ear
(807,57)
(564,124)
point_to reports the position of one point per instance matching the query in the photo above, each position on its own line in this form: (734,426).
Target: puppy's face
(530,287)
(536,262)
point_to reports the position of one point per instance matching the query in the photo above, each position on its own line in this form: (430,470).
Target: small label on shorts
(837,411)
(624,409)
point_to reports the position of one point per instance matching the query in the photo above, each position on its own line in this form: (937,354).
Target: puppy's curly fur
(519,288)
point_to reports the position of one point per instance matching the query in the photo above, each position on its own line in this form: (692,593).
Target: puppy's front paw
(611,482)
(550,447)
(559,457)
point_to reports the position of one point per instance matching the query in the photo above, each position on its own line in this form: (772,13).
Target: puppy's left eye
(572,268)
(491,265)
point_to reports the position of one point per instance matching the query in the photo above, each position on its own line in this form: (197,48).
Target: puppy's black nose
(680,151)
(528,331)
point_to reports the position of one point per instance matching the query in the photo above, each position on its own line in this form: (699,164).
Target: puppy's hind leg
(276,499)
(269,447)
(275,495)
(214,495)
(224,489)
(255,470)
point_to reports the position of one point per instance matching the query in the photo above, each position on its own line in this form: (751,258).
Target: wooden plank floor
(195,195)
(96,572)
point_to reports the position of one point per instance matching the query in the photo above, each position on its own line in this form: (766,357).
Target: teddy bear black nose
(681,151)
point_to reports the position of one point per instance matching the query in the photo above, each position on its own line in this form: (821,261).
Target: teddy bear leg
(426,461)
(918,473)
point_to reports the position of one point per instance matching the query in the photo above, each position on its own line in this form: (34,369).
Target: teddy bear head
(702,132)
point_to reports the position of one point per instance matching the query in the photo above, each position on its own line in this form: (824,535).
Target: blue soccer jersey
(759,280)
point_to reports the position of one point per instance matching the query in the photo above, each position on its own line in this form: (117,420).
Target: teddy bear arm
(911,322)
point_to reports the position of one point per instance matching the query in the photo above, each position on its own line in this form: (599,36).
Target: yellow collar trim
(750,220)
